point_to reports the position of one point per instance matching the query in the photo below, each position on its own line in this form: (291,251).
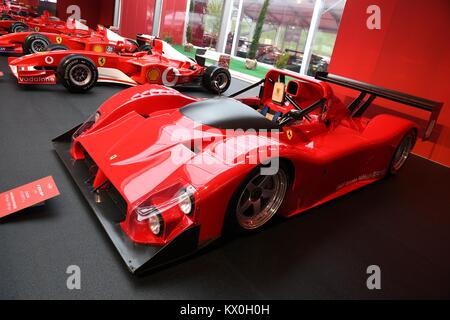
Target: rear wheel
(56,47)
(216,79)
(257,200)
(402,152)
(18,27)
(34,43)
(77,73)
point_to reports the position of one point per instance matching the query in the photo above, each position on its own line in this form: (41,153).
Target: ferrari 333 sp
(166,173)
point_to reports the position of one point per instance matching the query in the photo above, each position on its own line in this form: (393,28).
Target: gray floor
(401,224)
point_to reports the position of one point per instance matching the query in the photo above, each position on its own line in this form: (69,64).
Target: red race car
(77,38)
(79,70)
(166,174)
(10,23)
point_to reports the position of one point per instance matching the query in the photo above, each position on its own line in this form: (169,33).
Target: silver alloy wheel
(261,199)
(80,75)
(402,152)
(38,45)
(221,81)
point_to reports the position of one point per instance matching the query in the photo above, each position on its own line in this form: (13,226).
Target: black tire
(233,222)
(18,27)
(145,47)
(402,152)
(73,66)
(6,17)
(55,47)
(35,42)
(219,75)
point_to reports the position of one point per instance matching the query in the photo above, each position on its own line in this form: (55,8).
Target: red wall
(137,17)
(409,54)
(94,12)
(172,20)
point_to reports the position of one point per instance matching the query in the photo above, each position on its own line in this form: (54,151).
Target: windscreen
(112,36)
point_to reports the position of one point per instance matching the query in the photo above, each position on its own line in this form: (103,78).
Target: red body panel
(132,141)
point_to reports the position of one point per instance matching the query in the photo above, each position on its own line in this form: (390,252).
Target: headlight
(155,224)
(186,200)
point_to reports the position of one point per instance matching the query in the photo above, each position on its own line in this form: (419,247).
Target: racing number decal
(101,61)
(289,134)
(58,40)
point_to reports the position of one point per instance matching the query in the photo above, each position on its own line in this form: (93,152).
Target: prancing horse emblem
(101,61)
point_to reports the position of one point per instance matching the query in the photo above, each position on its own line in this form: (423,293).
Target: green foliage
(259,26)
(282,60)
(214,9)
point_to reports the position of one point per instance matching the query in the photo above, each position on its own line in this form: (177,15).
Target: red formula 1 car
(79,70)
(77,38)
(10,23)
(166,174)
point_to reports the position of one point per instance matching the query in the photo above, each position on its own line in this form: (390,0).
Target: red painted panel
(136,17)
(172,20)
(94,12)
(409,54)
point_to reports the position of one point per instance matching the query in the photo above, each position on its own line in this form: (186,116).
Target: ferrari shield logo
(58,40)
(289,134)
(101,61)
(36,29)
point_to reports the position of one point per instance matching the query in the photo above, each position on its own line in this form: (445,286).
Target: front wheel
(216,79)
(34,43)
(257,200)
(402,152)
(77,73)
(18,27)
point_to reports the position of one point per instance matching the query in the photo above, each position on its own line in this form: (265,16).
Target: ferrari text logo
(113,157)
(101,61)
(289,134)
(58,40)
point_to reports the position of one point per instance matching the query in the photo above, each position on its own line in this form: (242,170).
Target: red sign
(27,195)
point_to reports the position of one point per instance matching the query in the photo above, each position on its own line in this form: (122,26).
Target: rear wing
(359,105)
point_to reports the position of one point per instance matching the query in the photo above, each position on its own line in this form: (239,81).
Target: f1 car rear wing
(359,105)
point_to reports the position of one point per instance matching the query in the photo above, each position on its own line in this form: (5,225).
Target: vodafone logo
(50,79)
(170,76)
(49,60)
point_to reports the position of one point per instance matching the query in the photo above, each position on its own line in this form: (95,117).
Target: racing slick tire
(144,47)
(35,42)
(18,27)
(55,47)
(402,152)
(256,200)
(77,73)
(6,17)
(216,79)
